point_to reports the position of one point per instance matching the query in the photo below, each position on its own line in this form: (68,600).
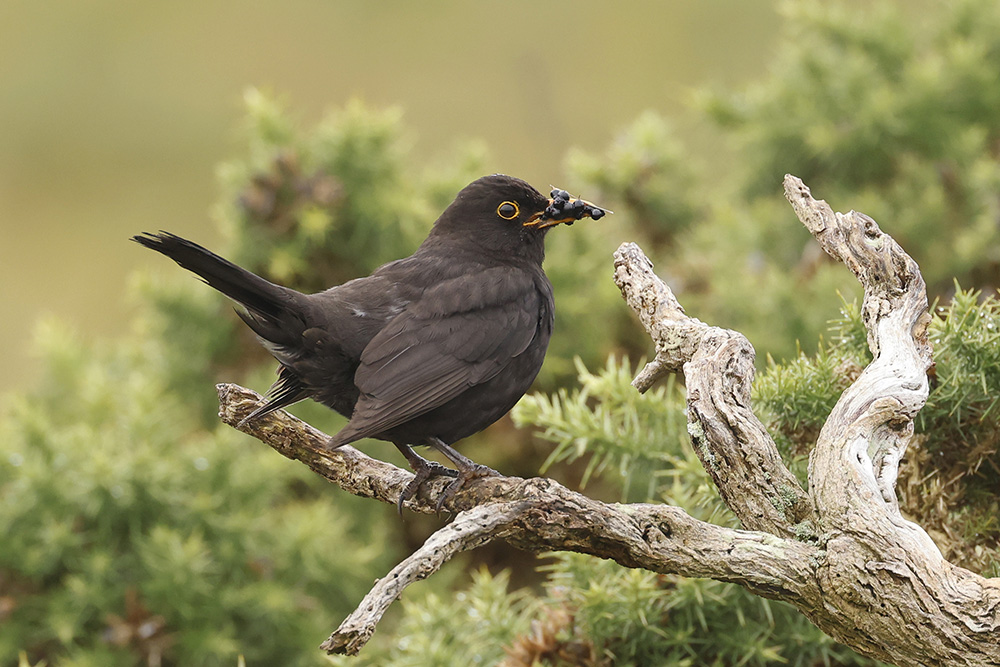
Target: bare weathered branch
(878,409)
(675,335)
(883,577)
(536,515)
(732,444)
(869,578)
(346,467)
(470,529)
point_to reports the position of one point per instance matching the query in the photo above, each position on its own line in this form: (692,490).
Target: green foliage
(595,613)
(954,475)
(796,396)
(641,438)
(132,511)
(639,618)
(185,336)
(130,531)
(315,208)
(647,171)
(578,263)
(469,627)
(897,117)
(611,423)
(729,263)
(874,111)
(635,617)
(966,339)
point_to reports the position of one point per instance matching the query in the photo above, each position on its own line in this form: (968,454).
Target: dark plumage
(426,350)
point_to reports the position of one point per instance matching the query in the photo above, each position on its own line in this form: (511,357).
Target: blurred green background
(138,528)
(115,115)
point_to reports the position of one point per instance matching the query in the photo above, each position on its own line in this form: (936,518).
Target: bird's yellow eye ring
(508,210)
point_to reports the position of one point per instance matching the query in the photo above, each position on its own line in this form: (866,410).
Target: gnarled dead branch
(868,577)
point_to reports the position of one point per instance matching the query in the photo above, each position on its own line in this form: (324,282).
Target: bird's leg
(423,470)
(467,469)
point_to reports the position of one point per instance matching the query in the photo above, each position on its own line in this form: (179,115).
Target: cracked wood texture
(537,515)
(887,591)
(731,442)
(868,577)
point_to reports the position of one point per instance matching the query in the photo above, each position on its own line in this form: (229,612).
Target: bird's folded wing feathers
(427,356)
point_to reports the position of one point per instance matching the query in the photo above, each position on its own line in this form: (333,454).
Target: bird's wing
(458,334)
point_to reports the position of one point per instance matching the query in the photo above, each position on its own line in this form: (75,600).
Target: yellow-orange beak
(563,209)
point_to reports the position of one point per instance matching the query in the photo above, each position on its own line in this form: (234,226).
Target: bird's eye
(508,210)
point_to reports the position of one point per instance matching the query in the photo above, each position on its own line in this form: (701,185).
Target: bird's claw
(421,474)
(463,476)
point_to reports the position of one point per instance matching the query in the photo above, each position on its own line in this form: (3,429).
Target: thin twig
(470,529)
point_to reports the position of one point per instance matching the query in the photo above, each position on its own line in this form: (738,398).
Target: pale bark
(841,552)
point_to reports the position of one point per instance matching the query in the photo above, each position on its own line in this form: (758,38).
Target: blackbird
(426,350)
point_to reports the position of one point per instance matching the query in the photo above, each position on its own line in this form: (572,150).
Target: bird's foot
(464,476)
(423,470)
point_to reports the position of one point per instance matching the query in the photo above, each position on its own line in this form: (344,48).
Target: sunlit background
(114,115)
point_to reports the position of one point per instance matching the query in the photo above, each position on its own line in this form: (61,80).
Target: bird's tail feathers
(286,390)
(272,309)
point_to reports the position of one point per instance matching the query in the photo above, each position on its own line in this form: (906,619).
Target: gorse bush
(897,115)
(131,531)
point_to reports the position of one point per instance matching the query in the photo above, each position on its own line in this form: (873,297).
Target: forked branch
(868,577)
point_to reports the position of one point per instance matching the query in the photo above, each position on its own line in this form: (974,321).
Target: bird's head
(501,211)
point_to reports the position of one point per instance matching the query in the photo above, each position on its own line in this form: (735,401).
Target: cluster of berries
(563,206)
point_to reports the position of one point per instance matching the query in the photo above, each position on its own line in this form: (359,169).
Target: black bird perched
(426,350)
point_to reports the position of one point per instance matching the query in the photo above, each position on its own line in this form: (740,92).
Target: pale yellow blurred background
(114,115)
